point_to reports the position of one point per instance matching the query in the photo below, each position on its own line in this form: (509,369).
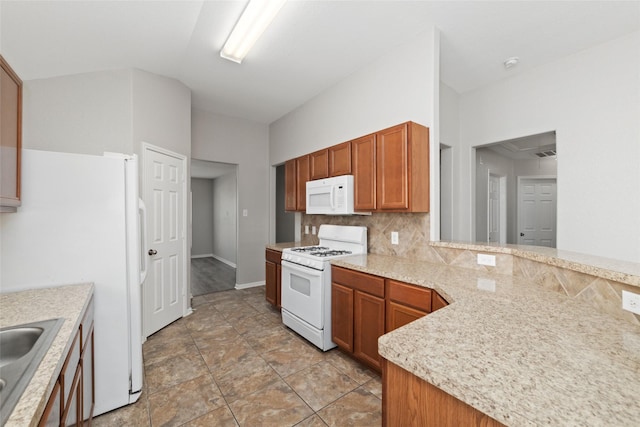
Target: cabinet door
(278,285)
(271,276)
(342,316)
(52,413)
(368,327)
(88,376)
(340,159)
(302,176)
(10,136)
(363,160)
(399,315)
(392,156)
(290,185)
(319,164)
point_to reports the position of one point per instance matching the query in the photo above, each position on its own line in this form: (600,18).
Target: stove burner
(332,252)
(310,249)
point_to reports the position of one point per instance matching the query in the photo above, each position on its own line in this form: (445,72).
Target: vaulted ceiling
(310,46)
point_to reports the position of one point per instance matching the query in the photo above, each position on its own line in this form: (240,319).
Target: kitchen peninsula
(509,345)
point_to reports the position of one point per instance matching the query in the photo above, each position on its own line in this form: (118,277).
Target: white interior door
(493,206)
(537,211)
(164,193)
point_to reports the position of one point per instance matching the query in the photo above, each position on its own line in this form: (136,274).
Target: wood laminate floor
(233,363)
(210,275)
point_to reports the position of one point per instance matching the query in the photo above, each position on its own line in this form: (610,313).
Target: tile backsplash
(412,228)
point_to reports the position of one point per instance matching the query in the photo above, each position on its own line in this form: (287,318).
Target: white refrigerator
(79,222)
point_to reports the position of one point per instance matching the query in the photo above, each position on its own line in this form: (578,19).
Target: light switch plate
(394,238)
(245,212)
(631,302)
(306,229)
(485,259)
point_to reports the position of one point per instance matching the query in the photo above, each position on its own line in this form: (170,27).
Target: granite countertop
(606,268)
(521,354)
(280,246)
(68,302)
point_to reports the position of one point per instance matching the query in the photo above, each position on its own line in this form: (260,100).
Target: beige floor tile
(214,335)
(221,417)
(356,371)
(358,409)
(203,318)
(248,375)
(292,357)
(172,371)
(226,356)
(135,415)
(274,405)
(320,384)
(168,349)
(250,324)
(185,402)
(374,386)
(312,421)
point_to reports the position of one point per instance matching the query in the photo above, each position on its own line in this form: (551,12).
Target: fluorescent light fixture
(254,20)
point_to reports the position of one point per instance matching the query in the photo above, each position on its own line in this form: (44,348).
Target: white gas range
(306,281)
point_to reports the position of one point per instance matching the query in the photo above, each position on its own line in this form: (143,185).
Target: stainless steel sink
(22,348)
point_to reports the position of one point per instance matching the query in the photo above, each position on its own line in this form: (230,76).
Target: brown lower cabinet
(365,306)
(273,276)
(72,399)
(410,401)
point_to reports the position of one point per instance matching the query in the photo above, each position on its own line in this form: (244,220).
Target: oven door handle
(300,269)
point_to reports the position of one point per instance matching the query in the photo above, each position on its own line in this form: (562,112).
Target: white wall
(202,216)
(395,88)
(83,113)
(449,125)
(225,216)
(592,100)
(245,143)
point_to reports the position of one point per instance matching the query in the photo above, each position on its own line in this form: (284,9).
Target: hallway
(233,363)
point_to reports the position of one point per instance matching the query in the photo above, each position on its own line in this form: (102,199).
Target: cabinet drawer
(361,281)
(410,295)
(273,256)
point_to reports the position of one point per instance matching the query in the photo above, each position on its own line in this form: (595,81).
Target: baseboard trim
(202,256)
(249,285)
(229,263)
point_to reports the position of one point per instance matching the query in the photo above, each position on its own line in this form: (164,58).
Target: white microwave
(331,196)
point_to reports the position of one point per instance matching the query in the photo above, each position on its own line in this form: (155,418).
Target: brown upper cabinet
(319,164)
(290,188)
(340,159)
(402,175)
(390,169)
(363,158)
(302,176)
(10,137)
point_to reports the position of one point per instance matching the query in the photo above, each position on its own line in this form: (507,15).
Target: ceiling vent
(548,153)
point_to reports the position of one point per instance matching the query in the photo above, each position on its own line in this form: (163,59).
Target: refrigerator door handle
(142,209)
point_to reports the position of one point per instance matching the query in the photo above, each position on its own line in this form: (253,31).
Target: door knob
(152,252)
(521,235)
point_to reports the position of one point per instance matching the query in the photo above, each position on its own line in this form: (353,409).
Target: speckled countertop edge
(285,245)
(16,308)
(515,353)
(606,268)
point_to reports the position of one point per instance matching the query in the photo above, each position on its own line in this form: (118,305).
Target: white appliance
(331,196)
(306,281)
(79,222)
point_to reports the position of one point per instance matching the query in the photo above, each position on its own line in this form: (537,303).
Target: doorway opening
(285,221)
(503,213)
(214,189)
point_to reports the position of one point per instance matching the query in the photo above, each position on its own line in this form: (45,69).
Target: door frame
(186,199)
(534,177)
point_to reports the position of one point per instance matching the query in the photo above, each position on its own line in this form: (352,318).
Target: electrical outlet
(631,302)
(394,238)
(313,230)
(306,229)
(245,212)
(484,259)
